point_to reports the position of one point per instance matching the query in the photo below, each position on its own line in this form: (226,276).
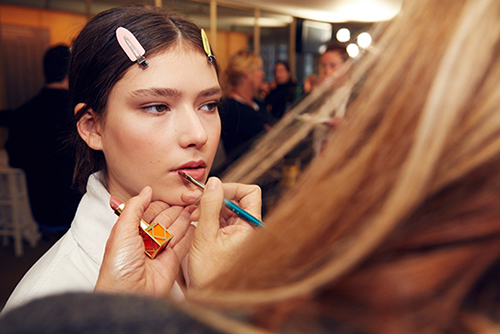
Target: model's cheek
(133,142)
(214,131)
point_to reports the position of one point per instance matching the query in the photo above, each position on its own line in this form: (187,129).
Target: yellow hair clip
(206,46)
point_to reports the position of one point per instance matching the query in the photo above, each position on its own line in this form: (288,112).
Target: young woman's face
(159,121)
(281,74)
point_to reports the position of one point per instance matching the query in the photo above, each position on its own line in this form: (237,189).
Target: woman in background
(243,118)
(283,94)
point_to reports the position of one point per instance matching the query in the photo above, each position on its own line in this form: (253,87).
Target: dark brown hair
(98,63)
(55,63)
(336,47)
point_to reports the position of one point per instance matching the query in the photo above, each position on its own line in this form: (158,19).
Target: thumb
(210,207)
(133,211)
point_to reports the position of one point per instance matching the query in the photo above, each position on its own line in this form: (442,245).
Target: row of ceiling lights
(363,40)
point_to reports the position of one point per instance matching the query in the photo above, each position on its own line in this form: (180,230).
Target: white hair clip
(131,46)
(206,46)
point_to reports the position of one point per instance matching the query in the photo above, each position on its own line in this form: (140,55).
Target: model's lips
(196,169)
(197,173)
(193,164)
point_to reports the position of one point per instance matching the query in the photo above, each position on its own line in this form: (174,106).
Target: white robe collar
(94,219)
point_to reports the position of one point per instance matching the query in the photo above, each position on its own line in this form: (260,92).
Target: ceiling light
(352,50)
(364,40)
(343,35)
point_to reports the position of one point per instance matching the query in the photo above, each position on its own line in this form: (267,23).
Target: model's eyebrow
(151,92)
(210,91)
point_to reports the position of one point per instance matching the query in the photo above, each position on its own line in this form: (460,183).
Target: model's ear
(89,127)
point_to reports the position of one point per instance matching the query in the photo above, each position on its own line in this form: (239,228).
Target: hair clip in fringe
(206,46)
(131,46)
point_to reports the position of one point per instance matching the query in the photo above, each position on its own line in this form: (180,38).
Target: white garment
(335,105)
(73,263)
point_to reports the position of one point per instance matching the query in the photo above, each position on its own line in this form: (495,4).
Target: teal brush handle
(242,213)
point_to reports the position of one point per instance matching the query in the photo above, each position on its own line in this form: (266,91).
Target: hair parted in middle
(98,63)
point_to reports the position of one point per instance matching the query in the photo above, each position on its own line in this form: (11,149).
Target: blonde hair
(239,63)
(391,228)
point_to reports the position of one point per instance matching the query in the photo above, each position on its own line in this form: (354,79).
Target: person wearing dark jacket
(243,118)
(36,143)
(284,93)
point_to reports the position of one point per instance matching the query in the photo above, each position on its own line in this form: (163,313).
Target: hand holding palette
(155,236)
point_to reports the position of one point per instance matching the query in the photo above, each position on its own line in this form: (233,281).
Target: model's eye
(156,108)
(212,107)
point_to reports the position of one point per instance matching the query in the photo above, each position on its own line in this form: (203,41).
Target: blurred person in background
(333,64)
(243,117)
(283,93)
(37,143)
(332,60)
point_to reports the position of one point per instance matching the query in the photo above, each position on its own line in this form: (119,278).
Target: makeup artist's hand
(220,234)
(125,267)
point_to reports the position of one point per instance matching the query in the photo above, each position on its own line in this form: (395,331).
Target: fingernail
(212,183)
(114,202)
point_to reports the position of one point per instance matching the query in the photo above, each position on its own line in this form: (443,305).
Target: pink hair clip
(131,46)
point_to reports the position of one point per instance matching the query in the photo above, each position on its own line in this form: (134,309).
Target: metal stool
(16,220)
